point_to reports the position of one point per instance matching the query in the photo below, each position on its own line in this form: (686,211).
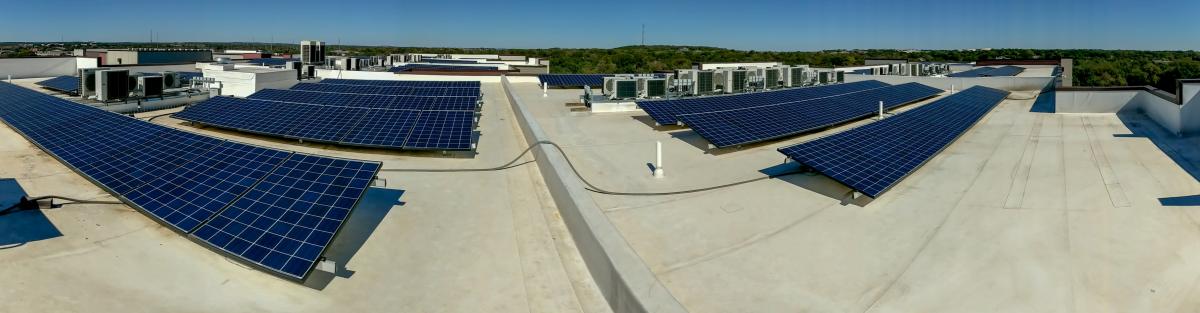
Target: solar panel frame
(666,112)
(270,232)
(831,156)
(68,84)
(40,105)
(393,91)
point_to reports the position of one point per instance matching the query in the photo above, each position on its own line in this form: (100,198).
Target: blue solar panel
(666,112)
(387,90)
(573,80)
(874,157)
(190,194)
(286,221)
(373,127)
(442,130)
(403,83)
(68,84)
(990,72)
(369,101)
(439,67)
(748,125)
(183,180)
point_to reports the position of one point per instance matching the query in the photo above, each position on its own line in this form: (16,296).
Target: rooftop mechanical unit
(172,80)
(653,87)
(150,86)
(772,77)
(621,88)
(800,76)
(87,81)
(112,85)
(737,80)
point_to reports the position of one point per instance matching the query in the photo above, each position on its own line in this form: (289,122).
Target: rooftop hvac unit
(171,80)
(772,77)
(87,81)
(841,76)
(112,85)
(295,66)
(705,82)
(620,88)
(914,69)
(735,80)
(653,87)
(824,77)
(310,71)
(151,86)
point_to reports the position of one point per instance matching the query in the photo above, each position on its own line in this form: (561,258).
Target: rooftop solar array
(69,84)
(666,112)
(990,72)
(748,125)
(388,90)
(403,83)
(188,76)
(276,209)
(439,67)
(873,158)
(347,118)
(573,80)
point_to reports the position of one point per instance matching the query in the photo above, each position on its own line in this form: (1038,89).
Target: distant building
(141,56)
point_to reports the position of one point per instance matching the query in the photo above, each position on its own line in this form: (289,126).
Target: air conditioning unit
(773,77)
(824,77)
(310,71)
(295,66)
(87,81)
(735,80)
(112,85)
(620,88)
(653,87)
(151,86)
(171,80)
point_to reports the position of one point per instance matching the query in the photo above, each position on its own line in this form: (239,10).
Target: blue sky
(750,25)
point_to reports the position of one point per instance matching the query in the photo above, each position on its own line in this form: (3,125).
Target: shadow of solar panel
(873,158)
(749,125)
(666,112)
(62,83)
(286,221)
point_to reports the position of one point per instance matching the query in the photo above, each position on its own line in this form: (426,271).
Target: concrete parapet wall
(626,282)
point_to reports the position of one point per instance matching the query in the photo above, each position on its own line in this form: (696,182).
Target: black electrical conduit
(31,203)
(590,186)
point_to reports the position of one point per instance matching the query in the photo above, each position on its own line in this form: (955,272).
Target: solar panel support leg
(881,110)
(545,90)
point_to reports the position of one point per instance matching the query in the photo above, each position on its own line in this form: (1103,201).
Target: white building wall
(37,67)
(393,76)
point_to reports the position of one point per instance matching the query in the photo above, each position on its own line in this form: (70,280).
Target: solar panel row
(402,83)
(387,90)
(666,112)
(874,157)
(369,101)
(438,67)
(749,125)
(227,194)
(573,80)
(68,84)
(356,126)
(990,72)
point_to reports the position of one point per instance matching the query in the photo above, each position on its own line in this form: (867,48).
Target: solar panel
(990,72)
(388,90)
(188,181)
(442,130)
(874,157)
(286,221)
(748,125)
(430,128)
(190,194)
(69,84)
(573,80)
(666,112)
(439,67)
(465,103)
(403,83)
